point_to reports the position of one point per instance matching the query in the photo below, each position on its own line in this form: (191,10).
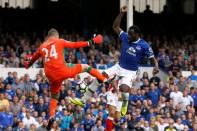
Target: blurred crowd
(154,105)
(173,53)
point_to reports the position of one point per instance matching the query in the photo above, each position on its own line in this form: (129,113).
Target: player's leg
(125,85)
(108,74)
(94,72)
(118,110)
(111,102)
(110,119)
(54,89)
(75,69)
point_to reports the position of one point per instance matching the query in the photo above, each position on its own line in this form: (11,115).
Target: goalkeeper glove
(26,64)
(97,40)
(27,61)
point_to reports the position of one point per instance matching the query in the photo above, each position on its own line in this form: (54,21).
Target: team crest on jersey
(131,51)
(138,47)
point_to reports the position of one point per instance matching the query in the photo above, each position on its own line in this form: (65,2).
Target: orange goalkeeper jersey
(52,52)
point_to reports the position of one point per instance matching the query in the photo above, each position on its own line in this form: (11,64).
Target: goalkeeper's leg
(54,89)
(94,72)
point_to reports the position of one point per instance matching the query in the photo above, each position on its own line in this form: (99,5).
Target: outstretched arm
(78,44)
(97,40)
(116,24)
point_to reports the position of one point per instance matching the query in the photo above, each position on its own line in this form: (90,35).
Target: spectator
(193,93)
(10,93)
(193,76)
(66,120)
(62,105)
(53,126)
(28,85)
(162,124)
(153,124)
(22,113)
(138,127)
(171,126)
(176,96)
(88,123)
(41,106)
(179,126)
(32,127)
(18,84)
(6,118)
(103,92)
(30,105)
(98,126)
(19,127)
(175,67)
(43,127)
(123,124)
(184,120)
(19,93)
(101,65)
(15,106)
(4,103)
(154,94)
(186,100)
(150,114)
(28,120)
(77,127)
(147,127)
(181,83)
(9,79)
(79,114)
(179,111)
(145,76)
(138,115)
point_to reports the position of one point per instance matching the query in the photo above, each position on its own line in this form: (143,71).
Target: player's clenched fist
(123,9)
(97,40)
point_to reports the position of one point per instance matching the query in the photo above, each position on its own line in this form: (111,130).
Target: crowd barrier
(33,71)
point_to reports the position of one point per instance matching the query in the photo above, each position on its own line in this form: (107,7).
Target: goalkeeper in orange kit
(54,64)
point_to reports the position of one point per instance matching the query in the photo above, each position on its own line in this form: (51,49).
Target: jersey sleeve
(123,36)
(148,50)
(35,56)
(69,44)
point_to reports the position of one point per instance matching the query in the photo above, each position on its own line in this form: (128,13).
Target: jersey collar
(135,42)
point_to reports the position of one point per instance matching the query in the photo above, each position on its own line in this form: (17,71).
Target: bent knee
(124,88)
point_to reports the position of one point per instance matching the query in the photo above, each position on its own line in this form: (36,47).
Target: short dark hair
(135,29)
(52,32)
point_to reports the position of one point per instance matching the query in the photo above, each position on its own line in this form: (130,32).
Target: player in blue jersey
(133,50)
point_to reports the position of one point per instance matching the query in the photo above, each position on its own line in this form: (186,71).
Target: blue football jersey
(132,53)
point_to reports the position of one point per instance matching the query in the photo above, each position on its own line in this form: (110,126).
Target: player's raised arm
(116,25)
(96,40)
